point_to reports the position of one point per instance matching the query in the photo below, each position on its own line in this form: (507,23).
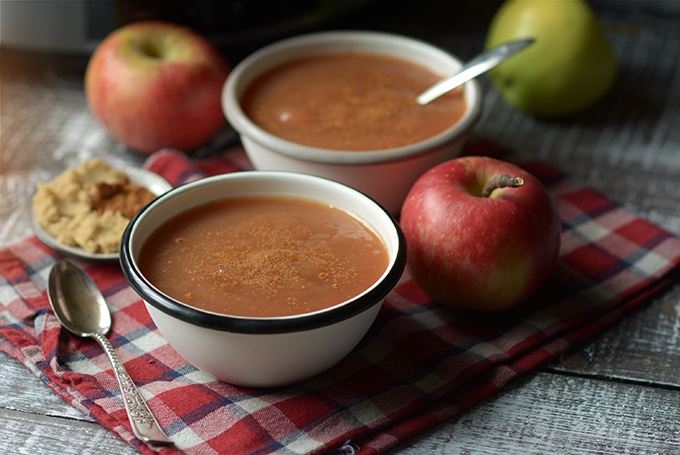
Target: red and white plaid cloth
(419,364)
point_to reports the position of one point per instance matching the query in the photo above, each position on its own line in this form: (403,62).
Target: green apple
(569,68)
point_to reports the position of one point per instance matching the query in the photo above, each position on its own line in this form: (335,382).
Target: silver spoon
(82,309)
(478,65)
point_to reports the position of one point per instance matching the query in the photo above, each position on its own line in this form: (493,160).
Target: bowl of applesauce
(342,105)
(263,278)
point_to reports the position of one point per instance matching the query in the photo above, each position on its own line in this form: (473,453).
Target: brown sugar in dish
(263,257)
(89,206)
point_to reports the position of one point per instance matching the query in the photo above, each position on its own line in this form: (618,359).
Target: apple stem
(501,181)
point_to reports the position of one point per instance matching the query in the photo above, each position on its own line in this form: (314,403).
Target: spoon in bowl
(82,309)
(478,65)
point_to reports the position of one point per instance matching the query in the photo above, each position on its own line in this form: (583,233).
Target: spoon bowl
(77,302)
(82,309)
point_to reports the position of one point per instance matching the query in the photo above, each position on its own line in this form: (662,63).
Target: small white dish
(150,180)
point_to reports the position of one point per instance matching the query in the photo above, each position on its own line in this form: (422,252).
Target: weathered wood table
(618,393)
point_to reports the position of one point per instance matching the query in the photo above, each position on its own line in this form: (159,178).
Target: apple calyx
(501,181)
(150,50)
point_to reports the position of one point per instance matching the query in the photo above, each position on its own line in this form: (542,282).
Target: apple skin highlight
(479,253)
(154,85)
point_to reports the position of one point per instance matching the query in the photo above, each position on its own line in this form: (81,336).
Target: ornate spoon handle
(144,424)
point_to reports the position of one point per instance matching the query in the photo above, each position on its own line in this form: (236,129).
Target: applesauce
(350,101)
(263,257)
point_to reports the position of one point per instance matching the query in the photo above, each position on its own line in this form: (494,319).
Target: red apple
(155,84)
(473,251)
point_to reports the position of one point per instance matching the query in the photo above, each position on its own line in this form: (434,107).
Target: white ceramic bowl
(385,175)
(263,352)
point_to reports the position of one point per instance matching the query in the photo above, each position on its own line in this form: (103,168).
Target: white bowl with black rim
(263,351)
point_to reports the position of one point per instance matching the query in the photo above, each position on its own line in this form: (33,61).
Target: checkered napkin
(419,364)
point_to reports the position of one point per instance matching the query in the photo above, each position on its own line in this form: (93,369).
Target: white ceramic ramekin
(385,175)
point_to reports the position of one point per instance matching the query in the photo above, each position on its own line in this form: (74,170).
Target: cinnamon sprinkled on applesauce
(371,107)
(263,257)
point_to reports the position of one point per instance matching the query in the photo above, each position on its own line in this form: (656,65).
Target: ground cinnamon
(280,263)
(126,198)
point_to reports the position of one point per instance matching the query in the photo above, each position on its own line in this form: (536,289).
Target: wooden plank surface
(642,348)
(538,413)
(549,413)
(29,434)
(35,420)
(21,390)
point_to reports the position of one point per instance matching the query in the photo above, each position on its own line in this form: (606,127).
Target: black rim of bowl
(227,323)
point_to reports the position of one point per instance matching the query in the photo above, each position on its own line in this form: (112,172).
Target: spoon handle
(478,65)
(144,424)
